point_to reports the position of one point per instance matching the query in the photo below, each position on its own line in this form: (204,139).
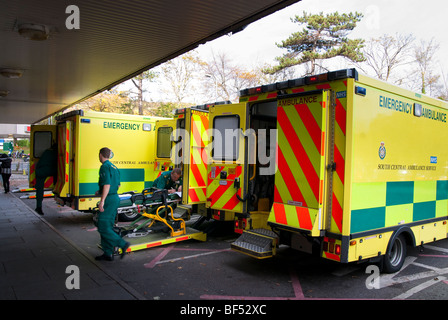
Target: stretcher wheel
(128,216)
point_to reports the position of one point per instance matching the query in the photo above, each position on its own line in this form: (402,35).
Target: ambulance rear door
(194,167)
(63,187)
(227,170)
(41,138)
(304,160)
(163,156)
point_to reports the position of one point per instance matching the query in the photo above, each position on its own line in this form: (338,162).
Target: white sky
(422,18)
(256,45)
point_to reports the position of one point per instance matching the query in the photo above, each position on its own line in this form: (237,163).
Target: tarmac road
(200,271)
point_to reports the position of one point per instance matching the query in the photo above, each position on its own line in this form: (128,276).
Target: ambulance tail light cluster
(324,77)
(240,225)
(330,245)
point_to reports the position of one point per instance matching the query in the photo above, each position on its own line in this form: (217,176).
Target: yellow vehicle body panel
(80,136)
(373,167)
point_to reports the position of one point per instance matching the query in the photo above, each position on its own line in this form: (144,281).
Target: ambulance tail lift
(337,163)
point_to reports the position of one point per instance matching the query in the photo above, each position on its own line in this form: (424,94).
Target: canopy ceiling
(116,40)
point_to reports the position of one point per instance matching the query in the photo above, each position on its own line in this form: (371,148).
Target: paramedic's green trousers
(41,176)
(106,221)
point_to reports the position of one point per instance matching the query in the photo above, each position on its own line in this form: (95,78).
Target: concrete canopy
(116,40)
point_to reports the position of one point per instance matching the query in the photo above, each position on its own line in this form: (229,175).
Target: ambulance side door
(227,170)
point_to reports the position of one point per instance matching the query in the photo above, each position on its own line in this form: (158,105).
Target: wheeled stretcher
(157,223)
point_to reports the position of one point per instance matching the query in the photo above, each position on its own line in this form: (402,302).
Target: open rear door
(195,156)
(41,139)
(227,169)
(163,155)
(65,163)
(303,151)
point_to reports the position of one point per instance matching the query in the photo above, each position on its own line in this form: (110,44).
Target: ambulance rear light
(240,225)
(330,245)
(179,111)
(337,249)
(317,78)
(251,91)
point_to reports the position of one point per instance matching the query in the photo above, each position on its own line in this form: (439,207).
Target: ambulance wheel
(127,216)
(396,254)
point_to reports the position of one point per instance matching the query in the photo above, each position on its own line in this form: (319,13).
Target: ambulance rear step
(257,243)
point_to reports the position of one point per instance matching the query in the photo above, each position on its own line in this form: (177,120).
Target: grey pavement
(35,261)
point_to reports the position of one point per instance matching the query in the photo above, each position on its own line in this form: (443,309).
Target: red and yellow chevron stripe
(32,177)
(301,151)
(299,179)
(198,157)
(339,159)
(221,193)
(64,135)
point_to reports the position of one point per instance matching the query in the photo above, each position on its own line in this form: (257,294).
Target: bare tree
(138,83)
(386,54)
(223,79)
(180,74)
(424,60)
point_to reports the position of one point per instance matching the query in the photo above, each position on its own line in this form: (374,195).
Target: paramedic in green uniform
(109,182)
(170,180)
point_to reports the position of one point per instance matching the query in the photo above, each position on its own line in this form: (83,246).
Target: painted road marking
(419,288)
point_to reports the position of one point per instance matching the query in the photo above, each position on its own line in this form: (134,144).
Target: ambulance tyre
(127,216)
(395,255)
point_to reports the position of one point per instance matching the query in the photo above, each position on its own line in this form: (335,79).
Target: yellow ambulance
(79,136)
(339,163)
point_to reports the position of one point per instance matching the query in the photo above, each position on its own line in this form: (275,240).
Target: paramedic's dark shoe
(39,211)
(105,257)
(124,249)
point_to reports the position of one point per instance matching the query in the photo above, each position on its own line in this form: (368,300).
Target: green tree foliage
(324,37)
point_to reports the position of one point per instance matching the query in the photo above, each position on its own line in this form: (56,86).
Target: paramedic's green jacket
(164,181)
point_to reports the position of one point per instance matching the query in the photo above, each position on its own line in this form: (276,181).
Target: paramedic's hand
(101,206)
(179,189)
(170,191)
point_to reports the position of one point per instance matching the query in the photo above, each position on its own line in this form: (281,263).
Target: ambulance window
(41,142)
(265,109)
(164,142)
(226,138)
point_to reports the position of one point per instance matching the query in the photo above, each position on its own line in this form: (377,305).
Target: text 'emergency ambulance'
(121,125)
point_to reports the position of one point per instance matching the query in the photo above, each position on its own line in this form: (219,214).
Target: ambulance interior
(262,118)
